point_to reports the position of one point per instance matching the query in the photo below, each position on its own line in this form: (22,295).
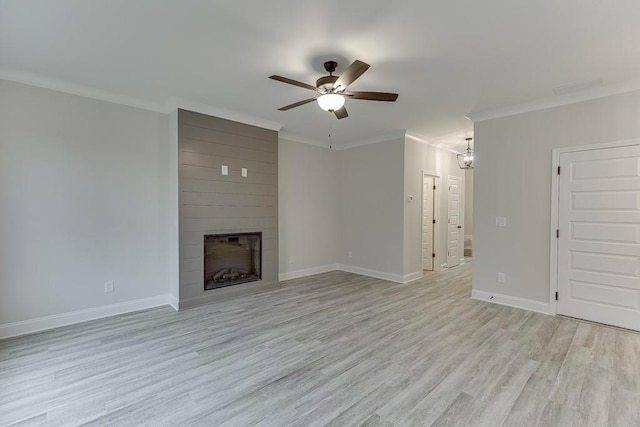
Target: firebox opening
(232,259)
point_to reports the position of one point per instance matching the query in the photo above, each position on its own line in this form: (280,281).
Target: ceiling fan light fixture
(331,101)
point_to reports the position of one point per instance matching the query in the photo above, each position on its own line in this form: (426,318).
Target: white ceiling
(446,59)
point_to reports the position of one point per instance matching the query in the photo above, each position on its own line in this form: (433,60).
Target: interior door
(454,247)
(599,236)
(427,222)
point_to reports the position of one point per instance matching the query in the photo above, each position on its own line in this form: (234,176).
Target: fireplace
(232,259)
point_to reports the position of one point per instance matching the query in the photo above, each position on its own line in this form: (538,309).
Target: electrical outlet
(108,286)
(292,259)
(225,170)
(244,172)
(350,254)
(501,278)
(501,221)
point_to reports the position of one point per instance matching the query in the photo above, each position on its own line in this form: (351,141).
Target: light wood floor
(336,349)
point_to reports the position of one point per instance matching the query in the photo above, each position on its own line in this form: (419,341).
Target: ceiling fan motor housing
(326,83)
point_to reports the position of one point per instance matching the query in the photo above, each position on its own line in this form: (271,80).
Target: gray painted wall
(371,206)
(468,202)
(211,203)
(418,157)
(81,203)
(421,157)
(308,205)
(513,179)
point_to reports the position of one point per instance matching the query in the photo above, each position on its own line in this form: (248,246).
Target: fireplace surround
(211,202)
(232,259)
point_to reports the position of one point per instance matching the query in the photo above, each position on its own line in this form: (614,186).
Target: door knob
(459,226)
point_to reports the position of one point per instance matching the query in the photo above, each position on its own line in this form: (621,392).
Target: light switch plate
(225,170)
(108,286)
(244,172)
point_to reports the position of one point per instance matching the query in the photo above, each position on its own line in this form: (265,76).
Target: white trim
(398,278)
(460,180)
(296,274)
(388,137)
(294,137)
(412,276)
(54,321)
(555,194)
(615,144)
(424,175)
(431,142)
(174,302)
(76,89)
(198,107)
(557,101)
(101,95)
(553,241)
(438,265)
(420,138)
(517,302)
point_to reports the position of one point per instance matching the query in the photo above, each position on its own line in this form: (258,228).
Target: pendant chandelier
(465,159)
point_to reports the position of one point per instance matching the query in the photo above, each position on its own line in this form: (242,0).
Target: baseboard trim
(174,302)
(296,274)
(413,276)
(517,302)
(398,278)
(24,327)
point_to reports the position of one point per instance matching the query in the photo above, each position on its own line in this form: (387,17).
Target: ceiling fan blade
(296,104)
(341,113)
(350,75)
(293,82)
(372,96)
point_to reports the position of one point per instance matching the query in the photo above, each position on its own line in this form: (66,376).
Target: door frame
(437,265)
(422,224)
(555,206)
(460,228)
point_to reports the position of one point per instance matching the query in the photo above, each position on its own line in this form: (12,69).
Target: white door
(454,248)
(599,236)
(427,222)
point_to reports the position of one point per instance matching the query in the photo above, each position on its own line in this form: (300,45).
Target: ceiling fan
(332,90)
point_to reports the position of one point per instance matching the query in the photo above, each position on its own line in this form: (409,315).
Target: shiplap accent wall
(211,203)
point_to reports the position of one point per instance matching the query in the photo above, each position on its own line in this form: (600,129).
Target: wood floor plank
(333,349)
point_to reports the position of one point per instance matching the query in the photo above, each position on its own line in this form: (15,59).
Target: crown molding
(419,138)
(76,89)
(296,137)
(436,143)
(198,107)
(387,137)
(115,98)
(556,101)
